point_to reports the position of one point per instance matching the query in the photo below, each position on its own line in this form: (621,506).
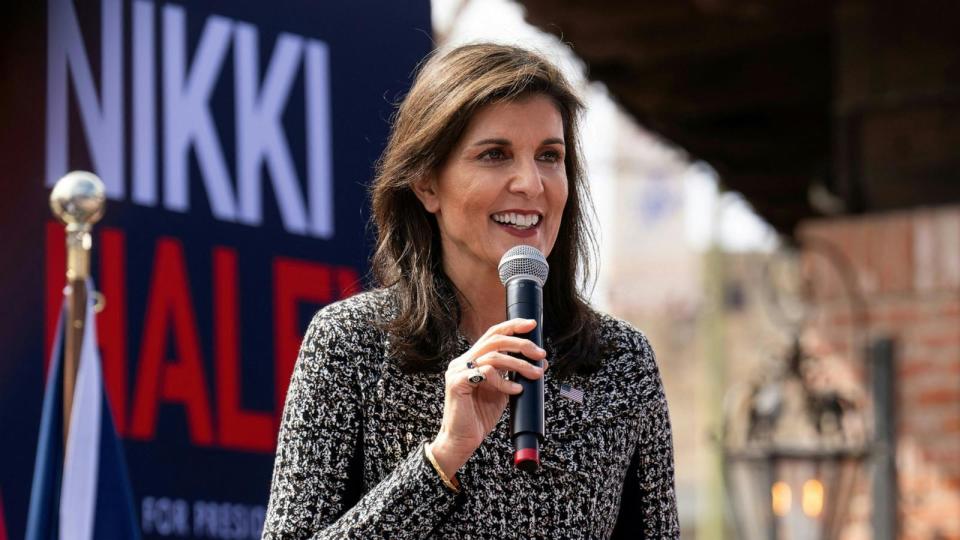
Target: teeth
(517,220)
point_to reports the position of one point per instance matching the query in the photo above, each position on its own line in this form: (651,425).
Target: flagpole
(78,200)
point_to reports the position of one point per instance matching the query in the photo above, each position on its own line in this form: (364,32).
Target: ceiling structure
(779,95)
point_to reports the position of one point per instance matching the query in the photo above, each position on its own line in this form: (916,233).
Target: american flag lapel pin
(571,393)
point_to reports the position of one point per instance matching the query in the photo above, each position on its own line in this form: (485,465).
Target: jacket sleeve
(316,477)
(648,505)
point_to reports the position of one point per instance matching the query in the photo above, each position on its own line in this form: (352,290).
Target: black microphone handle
(525,301)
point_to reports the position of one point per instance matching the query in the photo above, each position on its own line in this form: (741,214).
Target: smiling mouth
(518,221)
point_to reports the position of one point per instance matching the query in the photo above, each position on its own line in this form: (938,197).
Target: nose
(526,179)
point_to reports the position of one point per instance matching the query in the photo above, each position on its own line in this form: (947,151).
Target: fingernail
(515,386)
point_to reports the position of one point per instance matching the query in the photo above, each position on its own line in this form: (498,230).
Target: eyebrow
(505,142)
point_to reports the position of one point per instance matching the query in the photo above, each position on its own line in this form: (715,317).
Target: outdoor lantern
(793,449)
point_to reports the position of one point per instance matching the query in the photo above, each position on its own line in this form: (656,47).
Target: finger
(491,378)
(458,363)
(510,344)
(495,381)
(502,361)
(510,327)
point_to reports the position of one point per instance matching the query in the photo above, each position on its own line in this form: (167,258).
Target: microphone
(523,271)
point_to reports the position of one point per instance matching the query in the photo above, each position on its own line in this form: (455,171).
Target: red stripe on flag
(3,521)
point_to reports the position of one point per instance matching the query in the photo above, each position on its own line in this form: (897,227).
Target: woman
(395,424)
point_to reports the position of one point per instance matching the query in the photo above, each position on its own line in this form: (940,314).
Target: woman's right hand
(471,410)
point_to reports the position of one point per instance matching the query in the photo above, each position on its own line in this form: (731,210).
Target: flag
(571,393)
(80,486)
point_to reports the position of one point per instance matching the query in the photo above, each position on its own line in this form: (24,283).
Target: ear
(426,190)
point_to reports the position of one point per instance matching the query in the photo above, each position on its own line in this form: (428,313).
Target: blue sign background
(373,49)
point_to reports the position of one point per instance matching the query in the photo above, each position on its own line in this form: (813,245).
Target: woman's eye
(551,156)
(494,154)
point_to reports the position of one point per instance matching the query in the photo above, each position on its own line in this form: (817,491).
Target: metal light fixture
(793,449)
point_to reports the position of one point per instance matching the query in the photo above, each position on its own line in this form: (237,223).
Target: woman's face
(504,184)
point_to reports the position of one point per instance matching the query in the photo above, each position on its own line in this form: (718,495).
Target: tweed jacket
(350,460)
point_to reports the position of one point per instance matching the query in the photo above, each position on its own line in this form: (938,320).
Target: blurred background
(777,194)
(776,186)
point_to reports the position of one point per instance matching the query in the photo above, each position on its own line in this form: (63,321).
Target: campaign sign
(236,141)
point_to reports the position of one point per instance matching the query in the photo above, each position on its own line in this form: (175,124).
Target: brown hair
(448,90)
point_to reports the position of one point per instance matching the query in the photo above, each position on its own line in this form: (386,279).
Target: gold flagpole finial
(79,200)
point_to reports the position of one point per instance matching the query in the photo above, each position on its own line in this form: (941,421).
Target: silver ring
(477,377)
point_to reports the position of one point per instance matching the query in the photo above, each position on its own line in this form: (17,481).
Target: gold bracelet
(433,461)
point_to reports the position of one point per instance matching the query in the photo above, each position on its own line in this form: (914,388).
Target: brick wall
(906,267)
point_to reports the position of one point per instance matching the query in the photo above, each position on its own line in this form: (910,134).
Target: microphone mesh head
(524,261)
